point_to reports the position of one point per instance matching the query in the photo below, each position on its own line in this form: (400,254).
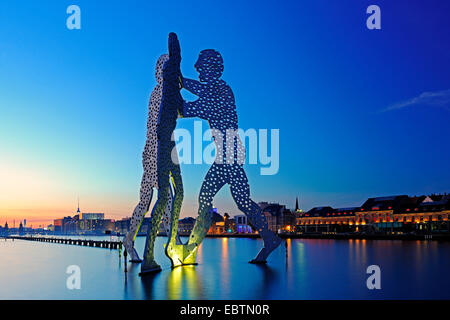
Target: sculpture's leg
(137,218)
(215,179)
(174,249)
(149,264)
(240,190)
(166,219)
(173,185)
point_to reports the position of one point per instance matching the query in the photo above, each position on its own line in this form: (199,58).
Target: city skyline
(78,211)
(361,112)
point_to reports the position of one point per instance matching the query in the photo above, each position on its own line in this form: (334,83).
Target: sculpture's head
(209,65)
(159,67)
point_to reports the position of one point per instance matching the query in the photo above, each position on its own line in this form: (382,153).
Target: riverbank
(415,237)
(331,236)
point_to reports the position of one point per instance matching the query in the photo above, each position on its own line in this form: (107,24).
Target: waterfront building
(313,220)
(60,224)
(83,223)
(91,216)
(230,223)
(279,219)
(388,215)
(218,223)
(71,225)
(122,226)
(241,224)
(95,225)
(185,226)
(57,225)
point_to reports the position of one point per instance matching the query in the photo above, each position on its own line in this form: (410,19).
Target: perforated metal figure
(216,104)
(168,168)
(149,161)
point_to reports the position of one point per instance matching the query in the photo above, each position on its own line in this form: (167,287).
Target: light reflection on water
(299,269)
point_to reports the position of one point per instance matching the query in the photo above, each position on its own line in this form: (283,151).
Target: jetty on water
(76,242)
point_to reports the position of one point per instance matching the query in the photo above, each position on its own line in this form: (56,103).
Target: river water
(301,269)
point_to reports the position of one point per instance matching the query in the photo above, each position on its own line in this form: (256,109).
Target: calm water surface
(311,269)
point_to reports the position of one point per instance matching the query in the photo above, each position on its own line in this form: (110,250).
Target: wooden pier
(76,242)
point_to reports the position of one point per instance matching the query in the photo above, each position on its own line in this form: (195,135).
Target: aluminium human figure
(149,162)
(168,168)
(216,104)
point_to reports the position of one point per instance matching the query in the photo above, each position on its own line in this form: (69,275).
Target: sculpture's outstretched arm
(174,48)
(193,109)
(193,86)
(174,75)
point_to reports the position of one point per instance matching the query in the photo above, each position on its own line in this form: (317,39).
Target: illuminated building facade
(87,223)
(92,216)
(122,226)
(185,226)
(230,223)
(218,223)
(391,215)
(241,224)
(95,225)
(60,224)
(279,219)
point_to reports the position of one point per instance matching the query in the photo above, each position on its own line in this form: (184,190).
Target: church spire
(296,204)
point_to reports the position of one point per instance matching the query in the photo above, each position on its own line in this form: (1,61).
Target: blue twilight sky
(361,112)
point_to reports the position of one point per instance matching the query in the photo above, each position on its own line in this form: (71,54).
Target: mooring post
(125,258)
(286,247)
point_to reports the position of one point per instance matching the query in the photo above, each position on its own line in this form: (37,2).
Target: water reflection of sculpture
(184,283)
